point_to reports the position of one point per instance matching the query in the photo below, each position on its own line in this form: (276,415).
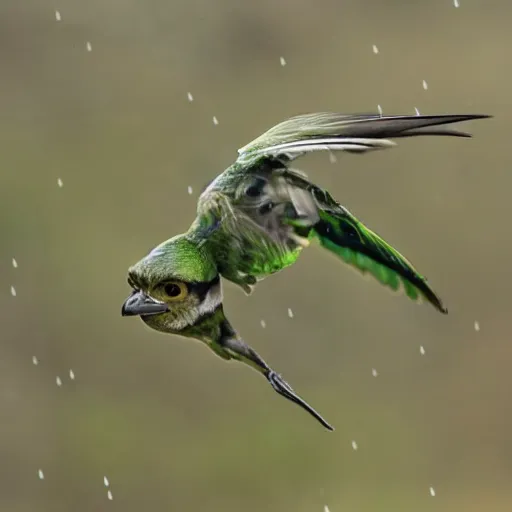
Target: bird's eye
(175,290)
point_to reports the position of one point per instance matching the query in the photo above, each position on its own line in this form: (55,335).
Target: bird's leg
(240,351)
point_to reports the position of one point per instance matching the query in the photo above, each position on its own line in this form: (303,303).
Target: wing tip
(437,303)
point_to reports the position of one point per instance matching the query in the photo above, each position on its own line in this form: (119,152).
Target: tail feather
(355,244)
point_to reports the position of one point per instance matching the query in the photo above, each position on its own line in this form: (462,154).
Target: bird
(255,218)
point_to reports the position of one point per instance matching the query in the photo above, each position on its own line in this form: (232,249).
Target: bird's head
(174,287)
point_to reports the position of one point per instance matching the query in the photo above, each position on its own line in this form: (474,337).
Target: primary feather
(340,132)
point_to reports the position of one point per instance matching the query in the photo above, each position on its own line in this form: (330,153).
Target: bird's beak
(139,303)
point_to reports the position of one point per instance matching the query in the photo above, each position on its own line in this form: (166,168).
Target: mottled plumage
(255,218)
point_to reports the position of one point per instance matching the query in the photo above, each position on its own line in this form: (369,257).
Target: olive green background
(172,426)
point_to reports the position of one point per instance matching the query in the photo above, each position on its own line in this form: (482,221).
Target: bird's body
(256,217)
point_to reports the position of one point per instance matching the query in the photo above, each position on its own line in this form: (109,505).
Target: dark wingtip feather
(439,306)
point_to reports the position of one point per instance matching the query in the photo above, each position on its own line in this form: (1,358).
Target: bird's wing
(293,210)
(342,234)
(339,132)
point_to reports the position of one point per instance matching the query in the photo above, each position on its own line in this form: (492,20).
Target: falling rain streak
(374,372)
(477,326)
(290,312)
(282,61)
(425,85)
(14,263)
(354,445)
(263,324)
(13,291)
(58,381)
(375,49)
(35,361)
(190,97)
(40,474)
(59,183)
(422,350)
(57,15)
(432,491)
(189,190)
(71,374)
(215,121)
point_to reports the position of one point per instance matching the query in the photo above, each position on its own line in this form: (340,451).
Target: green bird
(255,218)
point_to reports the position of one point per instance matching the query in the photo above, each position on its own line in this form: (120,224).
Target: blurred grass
(171,426)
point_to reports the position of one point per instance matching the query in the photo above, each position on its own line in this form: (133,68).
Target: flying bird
(254,220)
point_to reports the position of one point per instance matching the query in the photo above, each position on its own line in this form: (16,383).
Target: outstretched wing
(291,209)
(341,233)
(338,132)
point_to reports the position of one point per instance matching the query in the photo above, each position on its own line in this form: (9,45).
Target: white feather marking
(157,251)
(211,301)
(295,148)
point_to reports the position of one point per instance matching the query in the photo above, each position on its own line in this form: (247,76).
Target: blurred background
(99,146)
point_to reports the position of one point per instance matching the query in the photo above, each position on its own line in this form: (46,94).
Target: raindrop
(263,324)
(57,15)
(422,350)
(332,157)
(189,190)
(477,326)
(13,291)
(379,108)
(88,45)
(109,495)
(190,97)
(59,183)
(215,121)
(432,491)
(326,508)
(71,374)
(375,49)
(41,474)
(417,111)
(354,445)
(456,3)
(35,361)
(425,85)
(105,481)
(374,372)
(14,263)
(58,381)
(282,61)
(290,312)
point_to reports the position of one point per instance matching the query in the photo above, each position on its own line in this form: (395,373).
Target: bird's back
(249,239)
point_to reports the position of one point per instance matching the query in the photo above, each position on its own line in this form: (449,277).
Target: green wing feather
(345,236)
(342,234)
